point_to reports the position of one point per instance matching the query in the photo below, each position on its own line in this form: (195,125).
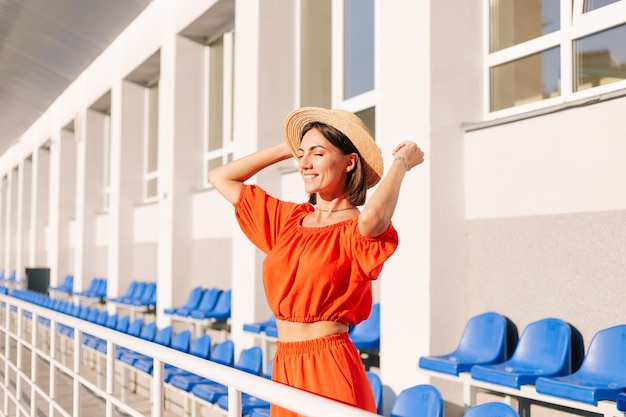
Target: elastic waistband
(305,346)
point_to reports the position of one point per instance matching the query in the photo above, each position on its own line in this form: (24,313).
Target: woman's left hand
(410,152)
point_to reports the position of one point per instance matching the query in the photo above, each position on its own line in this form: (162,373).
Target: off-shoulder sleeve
(371,253)
(259,216)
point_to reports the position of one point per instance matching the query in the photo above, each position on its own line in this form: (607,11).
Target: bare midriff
(297,332)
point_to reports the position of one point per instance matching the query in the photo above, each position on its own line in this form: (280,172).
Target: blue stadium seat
(483,342)
(366,335)
(260,326)
(163,337)
(377,389)
(193,299)
(366,338)
(250,360)
(130,291)
(602,374)
(418,401)
(544,349)
(200,347)
(222,353)
(67,286)
(147,297)
(249,402)
(94,290)
(134,329)
(621,402)
(221,310)
(207,303)
(491,409)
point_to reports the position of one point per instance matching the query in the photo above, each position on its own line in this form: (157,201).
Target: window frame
(227,149)
(151,127)
(368,99)
(574,25)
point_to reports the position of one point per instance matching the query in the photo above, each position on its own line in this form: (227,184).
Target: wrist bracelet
(400,158)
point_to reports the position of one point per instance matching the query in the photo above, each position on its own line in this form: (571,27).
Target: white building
(520,207)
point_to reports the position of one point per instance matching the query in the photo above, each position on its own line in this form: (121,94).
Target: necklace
(335,211)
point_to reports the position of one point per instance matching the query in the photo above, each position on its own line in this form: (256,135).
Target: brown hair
(356,185)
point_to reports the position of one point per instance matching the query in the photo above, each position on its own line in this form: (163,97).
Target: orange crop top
(312,274)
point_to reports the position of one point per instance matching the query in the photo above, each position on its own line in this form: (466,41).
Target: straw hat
(347,123)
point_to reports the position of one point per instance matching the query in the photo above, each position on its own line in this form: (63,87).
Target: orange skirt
(329,366)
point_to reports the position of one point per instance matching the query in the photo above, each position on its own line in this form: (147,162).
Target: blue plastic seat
(206,304)
(136,294)
(418,401)
(260,326)
(130,290)
(221,310)
(366,335)
(249,402)
(193,299)
(164,338)
(67,286)
(200,347)
(377,389)
(602,374)
(621,402)
(89,291)
(544,349)
(147,297)
(145,363)
(121,325)
(250,360)
(491,409)
(222,353)
(134,329)
(483,342)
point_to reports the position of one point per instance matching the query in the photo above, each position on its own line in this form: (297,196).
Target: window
(218,101)
(600,58)
(546,52)
(338,56)
(358,47)
(107,162)
(354,46)
(151,143)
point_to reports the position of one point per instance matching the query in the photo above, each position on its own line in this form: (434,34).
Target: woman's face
(322,166)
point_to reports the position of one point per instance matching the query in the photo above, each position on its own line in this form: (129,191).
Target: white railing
(23,332)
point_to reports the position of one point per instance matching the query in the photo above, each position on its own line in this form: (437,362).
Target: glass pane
(596,4)
(600,58)
(215,162)
(153,128)
(369,118)
(358,47)
(216,95)
(517,21)
(532,78)
(152,188)
(316,53)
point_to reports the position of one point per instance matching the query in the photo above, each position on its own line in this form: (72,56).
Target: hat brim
(347,123)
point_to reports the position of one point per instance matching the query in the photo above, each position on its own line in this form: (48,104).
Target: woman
(321,255)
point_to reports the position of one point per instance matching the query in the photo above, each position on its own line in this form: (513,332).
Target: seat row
(138,295)
(250,360)
(96,290)
(549,355)
(204,305)
(11,279)
(425,400)
(422,400)
(66,287)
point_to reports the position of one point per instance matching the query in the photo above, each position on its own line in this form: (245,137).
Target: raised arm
(377,212)
(228,179)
